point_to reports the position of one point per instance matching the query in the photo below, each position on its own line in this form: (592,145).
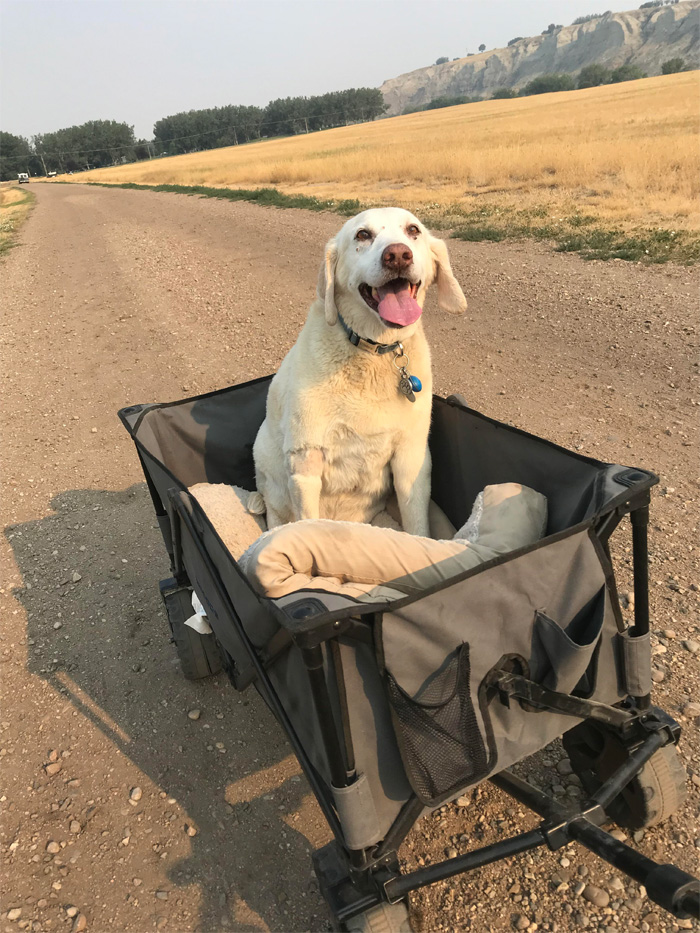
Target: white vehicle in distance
(22,178)
(51,174)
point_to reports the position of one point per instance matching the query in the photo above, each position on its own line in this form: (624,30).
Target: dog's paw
(255,504)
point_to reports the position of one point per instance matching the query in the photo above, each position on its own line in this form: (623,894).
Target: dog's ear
(326,282)
(450,295)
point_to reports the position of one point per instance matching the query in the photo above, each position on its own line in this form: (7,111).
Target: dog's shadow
(97,633)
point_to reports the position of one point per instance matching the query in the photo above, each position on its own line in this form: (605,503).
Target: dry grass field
(623,155)
(15,204)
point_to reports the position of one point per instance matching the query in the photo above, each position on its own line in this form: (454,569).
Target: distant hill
(646,38)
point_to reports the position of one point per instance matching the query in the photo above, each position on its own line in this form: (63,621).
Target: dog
(348,412)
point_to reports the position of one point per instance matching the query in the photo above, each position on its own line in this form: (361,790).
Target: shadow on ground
(112,658)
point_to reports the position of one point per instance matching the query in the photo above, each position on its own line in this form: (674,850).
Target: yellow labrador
(349,409)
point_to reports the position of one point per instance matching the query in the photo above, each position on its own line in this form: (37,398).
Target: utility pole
(306,124)
(43,163)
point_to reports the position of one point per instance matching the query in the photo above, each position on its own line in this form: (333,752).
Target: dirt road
(116,806)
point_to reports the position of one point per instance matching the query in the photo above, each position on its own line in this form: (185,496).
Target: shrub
(627,73)
(517,39)
(547,83)
(672,66)
(441,60)
(580,20)
(594,75)
(503,93)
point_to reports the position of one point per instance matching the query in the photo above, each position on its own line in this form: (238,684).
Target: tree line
(91,145)
(98,143)
(228,126)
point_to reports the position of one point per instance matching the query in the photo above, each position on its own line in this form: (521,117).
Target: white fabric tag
(199,620)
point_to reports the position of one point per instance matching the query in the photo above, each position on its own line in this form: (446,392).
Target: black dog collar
(364,343)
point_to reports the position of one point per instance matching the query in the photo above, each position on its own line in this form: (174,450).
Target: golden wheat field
(625,152)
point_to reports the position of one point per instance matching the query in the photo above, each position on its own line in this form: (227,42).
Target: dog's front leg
(305,480)
(411,470)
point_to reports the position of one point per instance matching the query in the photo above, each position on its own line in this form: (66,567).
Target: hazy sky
(63,62)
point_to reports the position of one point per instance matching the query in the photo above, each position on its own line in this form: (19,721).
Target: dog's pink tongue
(396,303)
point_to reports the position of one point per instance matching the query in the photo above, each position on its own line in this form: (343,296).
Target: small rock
(692,646)
(53,848)
(93,430)
(137,882)
(521,922)
(76,578)
(514,888)
(596,896)
(14,914)
(578,887)
(135,795)
(617,884)
(53,768)
(194,714)
(564,862)
(564,766)
(691,710)
(53,755)
(57,625)
(669,633)
(41,903)
(657,675)
(451,852)
(72,911)
(618,834)
(162,895)
(75,826)
(190,830)
(79,924)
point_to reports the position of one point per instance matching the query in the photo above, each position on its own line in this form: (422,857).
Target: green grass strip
(578,233)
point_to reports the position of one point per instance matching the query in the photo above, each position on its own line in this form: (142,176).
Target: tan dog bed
(356,559)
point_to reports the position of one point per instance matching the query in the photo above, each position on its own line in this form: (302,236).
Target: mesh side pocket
(441,745)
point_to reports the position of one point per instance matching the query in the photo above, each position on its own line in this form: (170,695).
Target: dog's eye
(363,235)
(412,230)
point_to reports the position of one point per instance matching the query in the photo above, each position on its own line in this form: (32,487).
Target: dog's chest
(356,459)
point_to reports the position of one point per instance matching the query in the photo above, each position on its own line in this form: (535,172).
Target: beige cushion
(355,559)
(228,509)
(225,507)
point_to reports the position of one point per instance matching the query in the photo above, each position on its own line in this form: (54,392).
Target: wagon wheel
(199,654)
(384,918)
(656,792)
(332,875)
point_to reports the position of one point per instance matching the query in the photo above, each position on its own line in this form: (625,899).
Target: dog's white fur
(337,429)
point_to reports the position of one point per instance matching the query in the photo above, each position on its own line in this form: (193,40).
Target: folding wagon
(396,707)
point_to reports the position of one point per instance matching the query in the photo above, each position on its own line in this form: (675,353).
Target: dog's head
(377,270)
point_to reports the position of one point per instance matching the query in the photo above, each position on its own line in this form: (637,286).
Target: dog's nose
(397,257)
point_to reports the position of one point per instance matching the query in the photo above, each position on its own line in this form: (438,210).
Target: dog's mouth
(394,302)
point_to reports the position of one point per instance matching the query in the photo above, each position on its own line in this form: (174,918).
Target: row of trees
(93,144)
(591,76)
(289,116)
(106,142)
